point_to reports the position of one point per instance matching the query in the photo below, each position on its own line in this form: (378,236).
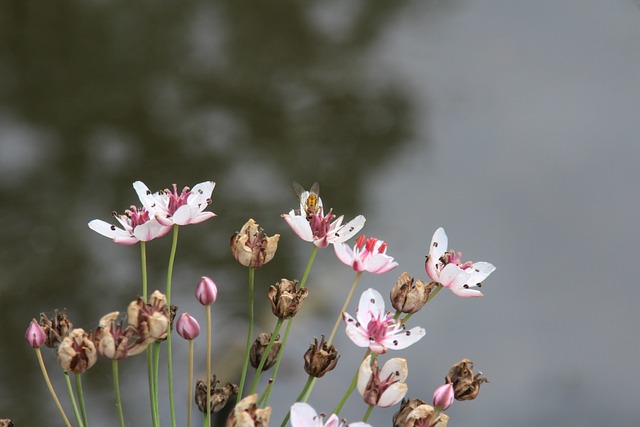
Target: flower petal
(371,305)
(299,225)
(395,368)
(348,230)
(404,339)
(392,395)
(439,243)
(453,276)
(303,415)
(355,331)
(364,375)
(200,194)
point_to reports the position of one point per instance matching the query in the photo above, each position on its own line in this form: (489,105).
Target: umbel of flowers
(146,327)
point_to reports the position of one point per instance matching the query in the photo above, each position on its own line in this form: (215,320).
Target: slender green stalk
(303,283)
(265,356)
(172,259)
(368,413)
(207,413)
(43,368)
(143,256)
(116,386)
(83,409)
(156,380)
(152,388)
(351,387)
(265,392)
(72,397)
(190,386)
(249,335)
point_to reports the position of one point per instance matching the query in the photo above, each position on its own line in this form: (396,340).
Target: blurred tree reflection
(97,94)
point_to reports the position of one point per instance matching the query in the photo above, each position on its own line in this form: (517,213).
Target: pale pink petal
(403,339)
(452,276)
(344,253)
(303,415)
(364,375)
(299,225)
(371,305)
(393,395)
(396,368)
(118,235)
(332,421)
(355,332)
(380,264)
(466,292)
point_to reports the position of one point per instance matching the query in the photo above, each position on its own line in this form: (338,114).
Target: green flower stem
(172,259)
(314,251)
(152,401)
(249,335)
(73,400)
(116,386)
(431,295)
(190,386)
(352,387)
(43,368)
(266,391)
(299,398)
(143,256)
(265,356)
(207,414)
(368,413)
(156,381)
(83,409)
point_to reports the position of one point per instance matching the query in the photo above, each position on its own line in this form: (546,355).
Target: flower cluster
(147,326)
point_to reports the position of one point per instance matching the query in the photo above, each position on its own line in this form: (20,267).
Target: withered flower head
(416,413)
(285,299)
(320,358)
(56,328)
(77,353)
(112,338)
(247,414)
(466,386)
(251,246)
(150,320)
(409,296)
(219,395)
(6,423)
(260,346)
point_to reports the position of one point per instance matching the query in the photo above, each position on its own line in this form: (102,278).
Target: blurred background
(514,125)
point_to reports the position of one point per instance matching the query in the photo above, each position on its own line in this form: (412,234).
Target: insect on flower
(309,200)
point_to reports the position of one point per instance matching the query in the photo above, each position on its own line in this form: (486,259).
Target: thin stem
(368,413)
(152,388)
(172,259)
(298,399)
(352,387)
(265,356)
(43,368)
(156,381)
(207,412)
(309,264)
(83,409)
(116,386)
(189,390)
(344,307)
(249,335)
(143,256)
(73,400)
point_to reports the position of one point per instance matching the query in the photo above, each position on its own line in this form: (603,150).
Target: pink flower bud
(443,396)
(188,327)
(206,292)
(35,335)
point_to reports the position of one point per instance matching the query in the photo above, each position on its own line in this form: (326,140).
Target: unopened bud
(466,386)
(187,327)
(260,346)
(320,358)
(219,395)
(247,414)
(252,247)
(409,296)
(206,291)
(35,335)
(285,298)
(443,397)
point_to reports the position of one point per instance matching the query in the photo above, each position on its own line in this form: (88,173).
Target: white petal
(371,305)
(393,395)
(118,235)
(344,253)
(200,194)
(348,230)
(478,272)
(380,263)
(404,339)
(452,276)
(332,421)
(299,225)
(364,375)
(397,368)
(303,415)
(145,196)
(356,333)
(439,243)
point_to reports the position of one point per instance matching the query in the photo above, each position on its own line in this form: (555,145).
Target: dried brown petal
(285,298)
(260,346)
(247,414)
(251,246)
(466,386)
(77,352)
(409,295)
(56,328)
(219,395)
(320,358)
(416,413)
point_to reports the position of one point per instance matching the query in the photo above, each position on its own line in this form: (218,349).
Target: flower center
(137,217)
(176,200)
(377,328)
(451,257)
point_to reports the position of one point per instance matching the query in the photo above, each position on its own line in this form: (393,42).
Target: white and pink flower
(382,387)
(171,208)
(367,255)
(322,229)
(446,267)
(377,329)
(303,415)
(137,226)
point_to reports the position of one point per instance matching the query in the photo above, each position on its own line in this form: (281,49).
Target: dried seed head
(466,386)
(56,328)
(320,358)
(247,414)
(251,246)
(150,321)
(285,298)
(6,423)
(219,395)
(416,413)
(409,296)
(112,338)
(77,352)
(260,346)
